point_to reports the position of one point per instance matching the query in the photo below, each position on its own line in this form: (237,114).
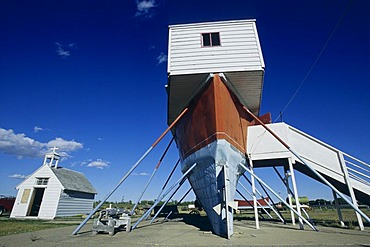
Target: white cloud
(144,8)
(162,58)
(101,164)
(140,174)
(37,129)
(19,144)
(63,53)
(80,163)
(64,146)
(22,146)
(18,176)
(62,49)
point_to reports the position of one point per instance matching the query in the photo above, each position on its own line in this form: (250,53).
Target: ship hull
(213,135)
(214,181)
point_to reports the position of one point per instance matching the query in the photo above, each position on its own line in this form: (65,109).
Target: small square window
(211,39)
(42,181)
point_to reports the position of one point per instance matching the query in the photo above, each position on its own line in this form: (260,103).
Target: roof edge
(211,22)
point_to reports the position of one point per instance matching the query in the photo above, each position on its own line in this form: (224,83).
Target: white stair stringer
(266,150)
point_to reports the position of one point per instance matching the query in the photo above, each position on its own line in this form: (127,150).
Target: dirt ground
(179,233)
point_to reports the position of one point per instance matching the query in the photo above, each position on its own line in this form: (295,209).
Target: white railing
(357,169)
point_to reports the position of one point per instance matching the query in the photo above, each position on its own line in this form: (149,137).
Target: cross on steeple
(53,149)
(52,159)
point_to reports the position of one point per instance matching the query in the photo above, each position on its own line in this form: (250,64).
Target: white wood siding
(19,209)
(75,203)
(50,198)
(239,51)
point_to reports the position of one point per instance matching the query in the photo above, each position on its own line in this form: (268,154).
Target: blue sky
(89,76)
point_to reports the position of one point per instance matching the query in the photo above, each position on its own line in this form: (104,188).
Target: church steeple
(52,159)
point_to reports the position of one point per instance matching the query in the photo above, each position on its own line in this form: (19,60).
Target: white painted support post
(250,204)
(309,166)
(228,214)
(279,197)
(259,204)
(331,186)
(307,216)
(339,212)
(165,203)
(112,191)
(142,193)
(254,193)
(283,180)
(295,191)
(151,177)
(178,203)
(286,181)
(165,184)
(351,192)
(147,213)
(272,204)
(129,172)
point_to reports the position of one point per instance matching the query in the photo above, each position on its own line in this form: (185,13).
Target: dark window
(211,39)
(206,39)
(42,181)
(215,39)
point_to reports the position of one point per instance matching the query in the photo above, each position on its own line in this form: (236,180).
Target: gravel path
(181,234)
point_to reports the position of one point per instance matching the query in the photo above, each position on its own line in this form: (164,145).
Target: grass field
(14,226)
(323,217)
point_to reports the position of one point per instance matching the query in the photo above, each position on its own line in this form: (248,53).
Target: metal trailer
(111,220)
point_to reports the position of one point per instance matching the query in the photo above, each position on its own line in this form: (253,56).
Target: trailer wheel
(2,210)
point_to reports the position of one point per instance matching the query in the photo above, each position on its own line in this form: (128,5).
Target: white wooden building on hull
(210,65)
(197,49)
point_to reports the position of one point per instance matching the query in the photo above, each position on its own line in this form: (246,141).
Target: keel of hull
(214,182)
